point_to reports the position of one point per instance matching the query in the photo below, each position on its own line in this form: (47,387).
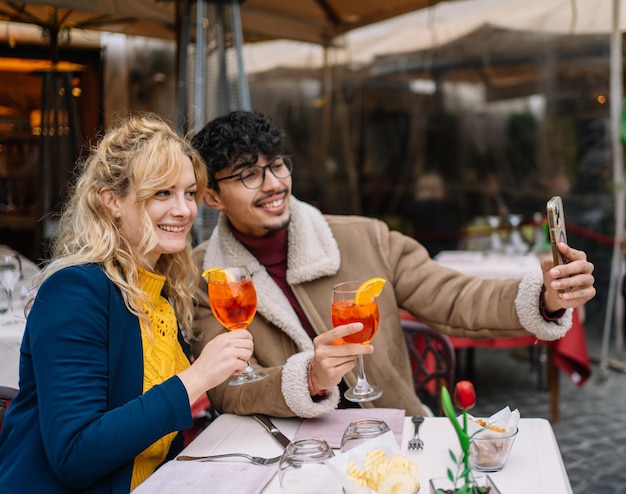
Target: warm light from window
(35,122)
(601,99)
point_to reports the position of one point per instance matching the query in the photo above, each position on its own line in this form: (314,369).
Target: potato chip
(354,471)
(404,464)
(397,483)
(398,475)
(373,457)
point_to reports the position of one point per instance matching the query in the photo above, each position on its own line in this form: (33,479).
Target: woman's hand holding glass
(224,356)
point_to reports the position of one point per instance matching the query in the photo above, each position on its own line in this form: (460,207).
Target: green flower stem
(448,409)
(466,451)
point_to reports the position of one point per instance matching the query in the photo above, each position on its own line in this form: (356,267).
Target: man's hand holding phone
(568,275)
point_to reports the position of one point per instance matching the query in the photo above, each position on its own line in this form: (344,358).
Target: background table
(11,333)
(534,465)
(12,324)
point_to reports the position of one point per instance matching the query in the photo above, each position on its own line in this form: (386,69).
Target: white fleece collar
(312,253)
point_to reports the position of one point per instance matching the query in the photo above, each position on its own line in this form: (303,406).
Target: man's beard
(275,228)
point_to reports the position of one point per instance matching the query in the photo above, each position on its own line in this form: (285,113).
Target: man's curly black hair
(235,136)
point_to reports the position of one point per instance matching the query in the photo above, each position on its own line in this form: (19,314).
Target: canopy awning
(314,21)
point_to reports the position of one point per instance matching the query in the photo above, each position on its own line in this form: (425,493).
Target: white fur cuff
(295,388)
(527,306)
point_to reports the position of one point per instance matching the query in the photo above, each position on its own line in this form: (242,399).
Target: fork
(415,442)
(257,460)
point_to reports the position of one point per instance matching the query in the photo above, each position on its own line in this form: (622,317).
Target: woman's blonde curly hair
(144,154)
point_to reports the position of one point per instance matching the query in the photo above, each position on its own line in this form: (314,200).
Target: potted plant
(461,481)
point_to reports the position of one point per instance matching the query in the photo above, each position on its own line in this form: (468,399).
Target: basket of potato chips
(376,466)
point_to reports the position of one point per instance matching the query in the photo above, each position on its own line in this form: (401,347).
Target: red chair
(6,396)
(433,361)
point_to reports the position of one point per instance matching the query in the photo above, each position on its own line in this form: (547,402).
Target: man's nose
(269,180)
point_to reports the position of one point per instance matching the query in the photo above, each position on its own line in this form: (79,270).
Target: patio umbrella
(316,21)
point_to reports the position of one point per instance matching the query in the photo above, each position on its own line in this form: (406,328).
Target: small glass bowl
(489,453)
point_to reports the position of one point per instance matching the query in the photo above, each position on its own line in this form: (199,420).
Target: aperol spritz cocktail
(233,304)
(232,298)
(347,311)
(356,302)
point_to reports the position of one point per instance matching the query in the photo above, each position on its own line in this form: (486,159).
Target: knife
(272,429)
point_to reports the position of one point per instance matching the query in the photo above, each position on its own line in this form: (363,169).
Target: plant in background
(464,399)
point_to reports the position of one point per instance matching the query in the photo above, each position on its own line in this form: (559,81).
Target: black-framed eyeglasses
(253,176)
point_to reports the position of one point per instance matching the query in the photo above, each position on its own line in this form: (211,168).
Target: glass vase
(481,484)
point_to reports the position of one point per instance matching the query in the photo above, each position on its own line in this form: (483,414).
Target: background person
(296,255)
(105,379)
(433,216)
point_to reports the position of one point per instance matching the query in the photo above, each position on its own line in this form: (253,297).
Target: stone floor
(591,431)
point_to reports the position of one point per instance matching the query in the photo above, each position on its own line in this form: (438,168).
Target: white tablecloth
(489,264)
(534,465)
(11,332)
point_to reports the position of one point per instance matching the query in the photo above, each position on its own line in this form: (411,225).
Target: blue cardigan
(80,417)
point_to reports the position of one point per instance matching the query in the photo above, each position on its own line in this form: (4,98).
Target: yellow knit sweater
(163,357)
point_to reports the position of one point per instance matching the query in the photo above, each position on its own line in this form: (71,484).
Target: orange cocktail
(356,302)
(233,303)
(347,311)
(232,298)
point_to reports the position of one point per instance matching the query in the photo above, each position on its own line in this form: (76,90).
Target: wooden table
(534,465)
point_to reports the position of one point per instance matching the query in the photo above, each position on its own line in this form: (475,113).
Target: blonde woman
(105,380)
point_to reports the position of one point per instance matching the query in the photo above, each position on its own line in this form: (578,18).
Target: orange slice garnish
(369,290)
(220,276)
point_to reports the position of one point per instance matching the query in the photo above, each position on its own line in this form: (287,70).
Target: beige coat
(326,250)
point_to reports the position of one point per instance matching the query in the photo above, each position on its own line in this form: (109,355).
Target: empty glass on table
(10,273)
(362,430)
(303,468)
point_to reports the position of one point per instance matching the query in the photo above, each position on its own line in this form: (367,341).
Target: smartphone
(556,224)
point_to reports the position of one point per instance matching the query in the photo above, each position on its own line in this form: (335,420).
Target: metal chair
(432,359)
(6,395)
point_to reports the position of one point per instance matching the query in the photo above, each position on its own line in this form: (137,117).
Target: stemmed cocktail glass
(10,273)
(347,307)
(233,301)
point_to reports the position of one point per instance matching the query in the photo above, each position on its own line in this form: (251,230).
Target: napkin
(505,419)
(332,426)
(339,464)
(217,477)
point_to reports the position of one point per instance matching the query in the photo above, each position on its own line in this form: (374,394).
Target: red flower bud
(464,395)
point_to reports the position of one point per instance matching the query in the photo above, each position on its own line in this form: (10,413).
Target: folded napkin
(217,477)
(505,420)
(332,426)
